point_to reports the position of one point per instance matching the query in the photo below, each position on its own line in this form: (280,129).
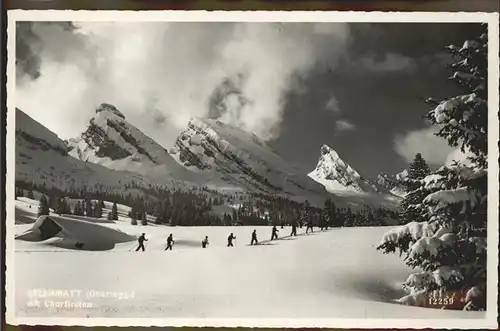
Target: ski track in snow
(326,274)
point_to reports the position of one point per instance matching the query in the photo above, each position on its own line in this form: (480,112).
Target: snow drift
(69,233)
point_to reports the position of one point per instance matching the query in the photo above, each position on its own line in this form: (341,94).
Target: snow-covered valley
(336,273)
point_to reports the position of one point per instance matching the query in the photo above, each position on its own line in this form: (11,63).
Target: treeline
(195,207)
(175,207)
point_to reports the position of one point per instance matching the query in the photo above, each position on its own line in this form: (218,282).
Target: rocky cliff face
(115,143)
(210,146)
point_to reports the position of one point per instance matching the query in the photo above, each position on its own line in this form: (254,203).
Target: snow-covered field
(331,274)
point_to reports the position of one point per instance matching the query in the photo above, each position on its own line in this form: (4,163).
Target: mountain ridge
(208,153)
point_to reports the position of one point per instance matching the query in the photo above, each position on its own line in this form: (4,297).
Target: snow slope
(238,158)
(301,277)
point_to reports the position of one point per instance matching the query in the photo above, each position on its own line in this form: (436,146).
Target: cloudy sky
(360,88)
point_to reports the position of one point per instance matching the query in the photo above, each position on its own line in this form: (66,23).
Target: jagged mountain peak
(112,141)
(325,149)
(106,107)
(332,165)
(336,174)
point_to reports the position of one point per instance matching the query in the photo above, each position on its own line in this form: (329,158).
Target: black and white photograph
(231,169)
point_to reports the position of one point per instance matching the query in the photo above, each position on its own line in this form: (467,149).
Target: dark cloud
(27,62)
(29,45)
(382,104)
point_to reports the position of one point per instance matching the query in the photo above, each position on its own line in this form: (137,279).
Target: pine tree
(159,214)
(98,209)
(77,208)
(144,219)
(43,207)
(450,245)
(114,212)
(89,212)
(52,202)
(59,207)
(418,168)
(417,171)
(133,215)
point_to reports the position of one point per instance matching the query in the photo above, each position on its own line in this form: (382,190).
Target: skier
(309,226)
(204,243)
(141,240)
(294,229)
(230,240)
(254,238)
(274,234)
(170,241)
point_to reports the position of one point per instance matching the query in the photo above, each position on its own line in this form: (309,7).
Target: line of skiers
(253,241)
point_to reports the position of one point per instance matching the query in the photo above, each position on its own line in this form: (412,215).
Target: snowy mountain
(115,156)
(239,158)
(110,140)
(339,177)
(393,182)
(42,159)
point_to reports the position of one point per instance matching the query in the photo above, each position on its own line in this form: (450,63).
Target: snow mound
(70,233)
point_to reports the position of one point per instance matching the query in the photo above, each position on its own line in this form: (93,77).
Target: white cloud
(390,62)
(458,156)
(435,150)
(333,105)
(344,125)
(171,69)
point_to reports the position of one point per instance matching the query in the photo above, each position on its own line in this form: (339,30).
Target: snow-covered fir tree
(417,171)
(43,206)
(62,207)
(450,246)
(114,212)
